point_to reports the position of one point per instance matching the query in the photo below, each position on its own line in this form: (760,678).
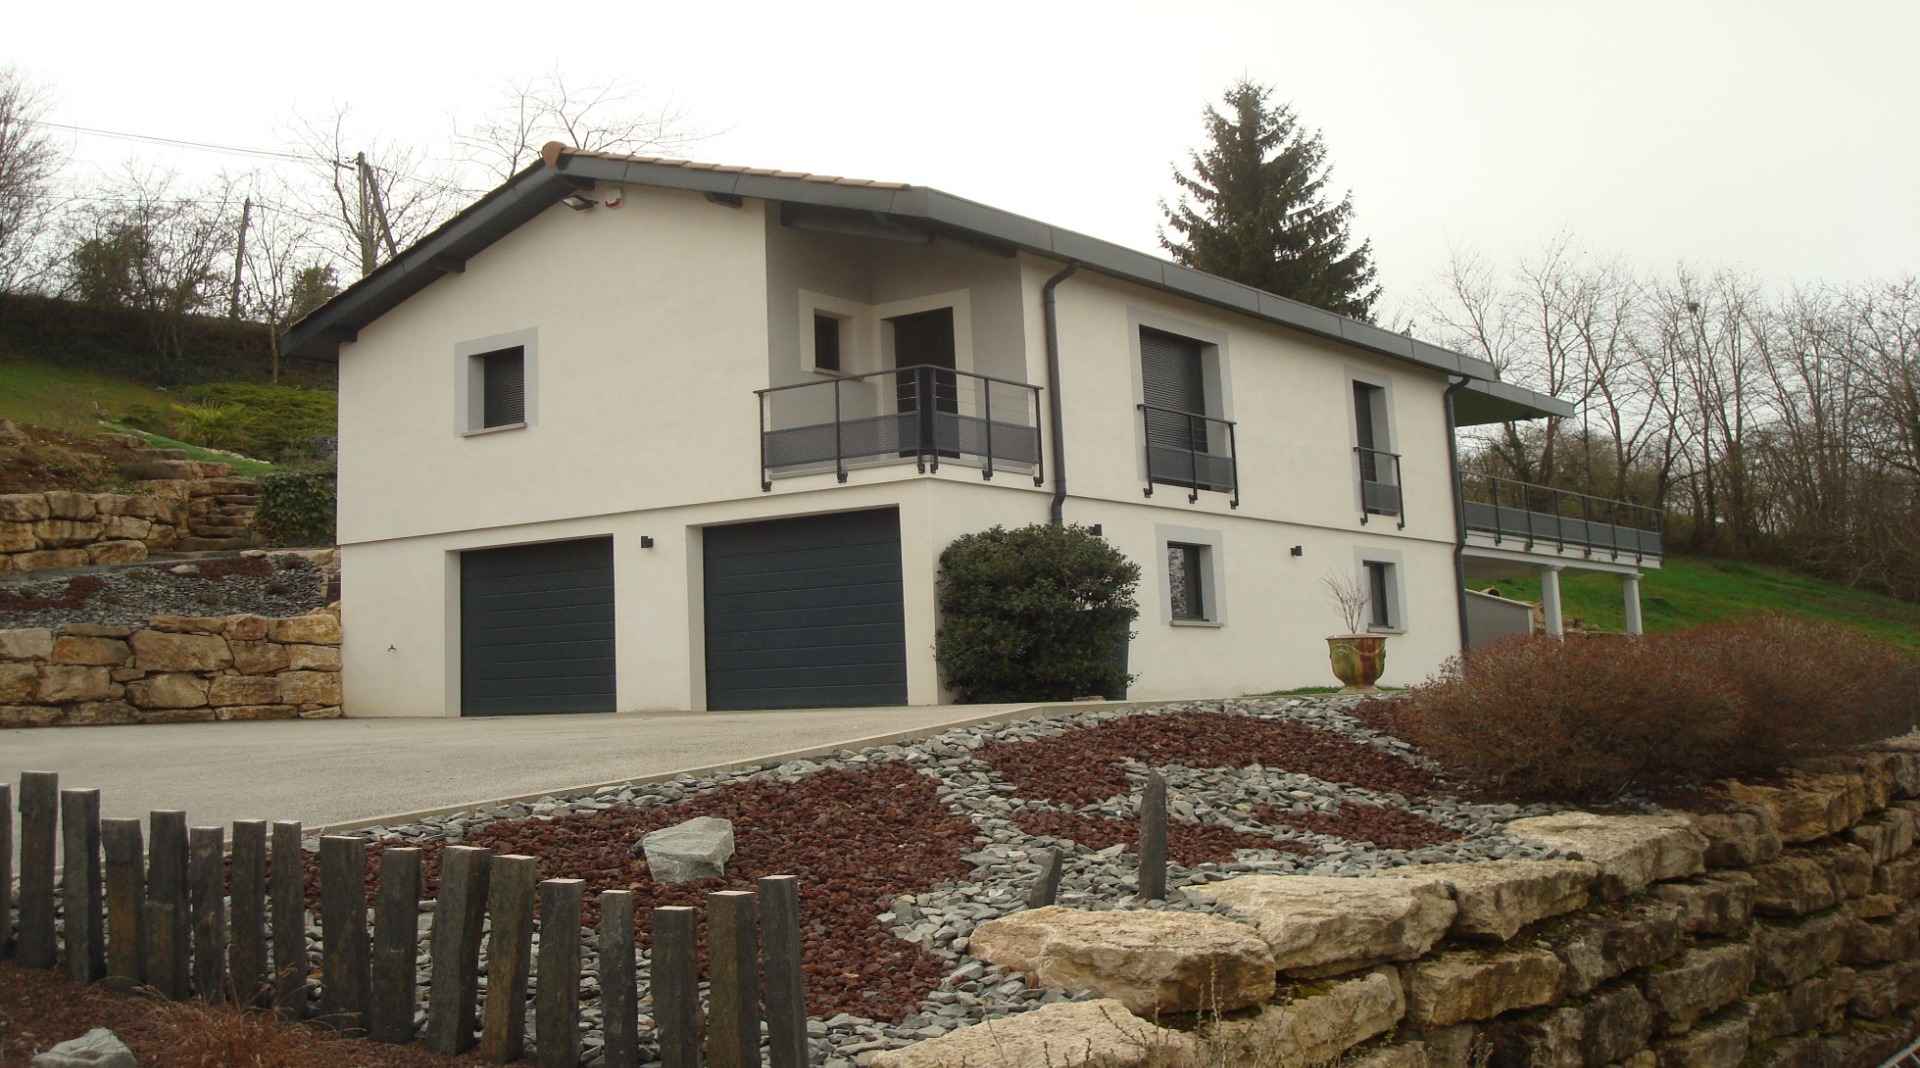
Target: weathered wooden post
(396,931)
(458,916)
(6,870)
(676,987)
(206,849)
(247,886)
(619,1004)
(344,967)
(786,987)
(166,926)
(503,1026)
(80,885)
(733,1015)
(1153,839)
(39,824)
(556,1011)
(289,921)
(126,901)
(1046,888)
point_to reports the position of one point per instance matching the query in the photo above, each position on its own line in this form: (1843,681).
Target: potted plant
(1358,658)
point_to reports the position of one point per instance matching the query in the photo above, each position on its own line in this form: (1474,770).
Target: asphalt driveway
(332,772)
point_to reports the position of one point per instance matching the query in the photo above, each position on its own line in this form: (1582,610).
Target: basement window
(1186,582)
(1383,610)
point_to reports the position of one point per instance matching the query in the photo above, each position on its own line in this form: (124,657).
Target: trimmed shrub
(1589,719)
(297,508)
(1041,613)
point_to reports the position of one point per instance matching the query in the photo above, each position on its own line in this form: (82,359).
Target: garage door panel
(806,612)
(537,629)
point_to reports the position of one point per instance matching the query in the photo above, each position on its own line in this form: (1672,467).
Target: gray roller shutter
(536,629)
(806,613)
(1180,450)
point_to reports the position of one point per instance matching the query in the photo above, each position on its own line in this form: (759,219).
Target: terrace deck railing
(1191,450)
(1533,516)
(925,414)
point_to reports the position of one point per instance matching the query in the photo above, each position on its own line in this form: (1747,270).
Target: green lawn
(1689,591)
(242,466)
(67,398)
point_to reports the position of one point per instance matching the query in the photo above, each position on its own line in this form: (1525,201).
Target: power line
(177,142)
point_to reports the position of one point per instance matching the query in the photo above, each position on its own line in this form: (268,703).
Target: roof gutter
(1459,514)
(1055,420)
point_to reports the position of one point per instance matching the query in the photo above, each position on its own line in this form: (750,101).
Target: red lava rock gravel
(1187,843)
(1084,765)
(855,840)
(1388,828)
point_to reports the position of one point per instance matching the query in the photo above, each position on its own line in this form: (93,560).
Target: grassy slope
(1689,591)
(67,398)
(242,465)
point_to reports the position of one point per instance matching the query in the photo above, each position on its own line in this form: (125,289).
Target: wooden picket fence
(155,914)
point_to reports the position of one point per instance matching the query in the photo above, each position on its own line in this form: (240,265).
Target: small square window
(826,342)
(503,387)
(1186,582)
(1380,595)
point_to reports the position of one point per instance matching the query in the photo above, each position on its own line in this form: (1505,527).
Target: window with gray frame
(1185,581)
(1379,594)
(503,387)
(826,342)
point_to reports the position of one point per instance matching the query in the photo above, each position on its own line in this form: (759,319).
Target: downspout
(1459,514)
(1055,420)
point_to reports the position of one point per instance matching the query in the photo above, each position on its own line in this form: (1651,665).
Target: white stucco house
(637,434)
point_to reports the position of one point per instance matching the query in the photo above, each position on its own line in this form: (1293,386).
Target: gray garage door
(536,629)
(806,613)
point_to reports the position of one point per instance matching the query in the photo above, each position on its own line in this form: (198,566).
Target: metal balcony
(1191,450)
(924,414)
(1534,515)
(1380,483)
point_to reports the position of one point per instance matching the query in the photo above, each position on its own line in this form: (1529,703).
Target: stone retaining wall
(174,669)
(1782,930)
(65,528)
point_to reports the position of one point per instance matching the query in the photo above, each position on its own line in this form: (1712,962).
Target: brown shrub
(1587,719)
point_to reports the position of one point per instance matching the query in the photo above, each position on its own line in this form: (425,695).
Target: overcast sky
(1772,136)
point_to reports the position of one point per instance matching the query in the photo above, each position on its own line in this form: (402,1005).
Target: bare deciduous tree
(378,196)
(30,162)
(604,116)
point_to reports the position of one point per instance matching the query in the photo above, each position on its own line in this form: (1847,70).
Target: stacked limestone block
(63,528)
(1782,929)
(175,669)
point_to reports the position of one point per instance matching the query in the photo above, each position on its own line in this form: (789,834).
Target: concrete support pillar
(1630,591)
(1550,601)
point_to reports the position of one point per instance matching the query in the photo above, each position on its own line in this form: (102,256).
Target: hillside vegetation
(1691,590)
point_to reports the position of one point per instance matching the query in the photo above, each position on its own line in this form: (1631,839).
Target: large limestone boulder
(28,643)
(1888,837)
(1497,898)
(63,683)
(1605,943)
(1787,952)
(1632,851)
(1882,941)
(1086,1034)
(117,551)
(308,688)
(98,1048)
(1809,807)
(698,848)
(1320,925)
(316,628)
(1311,1024)
(1151,962)
(1738,838)
(1700,982)
(1901,878)
(156,650)
(1464,985)
(23,507)
(1793,886)
(171,690)
(1816,1001)
(18,682)
(1719,1043)
(1718,904)
(259,657)
(98,652)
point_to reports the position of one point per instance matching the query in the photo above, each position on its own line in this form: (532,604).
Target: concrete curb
(915,734)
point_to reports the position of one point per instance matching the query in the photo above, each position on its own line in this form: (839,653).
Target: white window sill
(502,428)
(1386,630)
(1195,623)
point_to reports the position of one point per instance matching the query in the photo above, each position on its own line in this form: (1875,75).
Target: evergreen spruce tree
(1255,209)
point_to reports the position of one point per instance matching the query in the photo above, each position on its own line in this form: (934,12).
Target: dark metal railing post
(1146,432)
(919,439)
(1233,457)
(1400,491)
(929,424)
(1528,510)
(1586,524)
(986,390)
(1039,444)
(1493,491)
(1559,519)
(760,403)
(839,459)
(1360,461)
(1193,462)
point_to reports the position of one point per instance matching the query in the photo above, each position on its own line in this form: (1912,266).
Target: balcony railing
(1191,450)
(1536,515)
(1380,484)
(921,413)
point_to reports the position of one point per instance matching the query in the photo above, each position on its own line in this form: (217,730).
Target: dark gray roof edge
(539,186)
(1543,404)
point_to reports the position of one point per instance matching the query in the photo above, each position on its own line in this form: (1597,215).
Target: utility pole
(369,254)
(239,258)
